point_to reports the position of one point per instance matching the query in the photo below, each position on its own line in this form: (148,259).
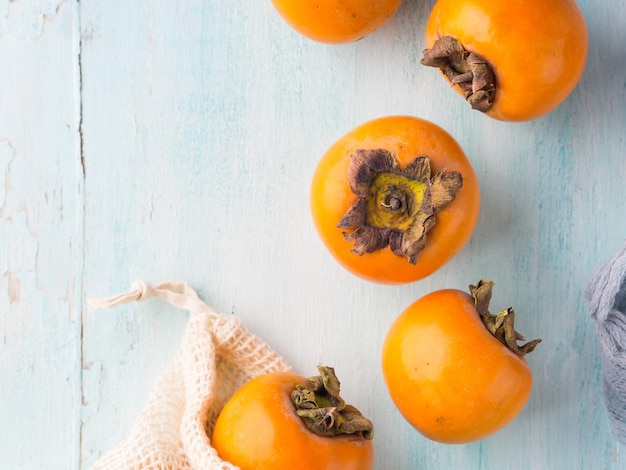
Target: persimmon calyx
(396,207)
(472,73)
(324,412)
(502,325)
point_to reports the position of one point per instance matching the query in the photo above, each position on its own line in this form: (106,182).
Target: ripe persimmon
(394,199)
(282,421)
(454,370)
(336,21)
(515,60)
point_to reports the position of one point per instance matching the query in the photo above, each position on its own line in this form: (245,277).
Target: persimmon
(282,421)
(394,199)
(515,60)
(336,21)
(454,370)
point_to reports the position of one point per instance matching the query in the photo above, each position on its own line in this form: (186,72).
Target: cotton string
(178,294)
(606,298)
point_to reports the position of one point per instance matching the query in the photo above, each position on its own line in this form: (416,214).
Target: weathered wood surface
(161,140)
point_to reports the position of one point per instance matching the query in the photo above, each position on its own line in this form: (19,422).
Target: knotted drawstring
(176,293)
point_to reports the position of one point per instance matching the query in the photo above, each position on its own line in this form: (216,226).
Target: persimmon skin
(537,49)
(258,429)
(336,21)
(407,137)
(447,375)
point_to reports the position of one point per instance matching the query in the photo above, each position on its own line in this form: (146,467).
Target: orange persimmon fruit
(282,421)
(394,199)
(515,60)
(336,21)
(454,370)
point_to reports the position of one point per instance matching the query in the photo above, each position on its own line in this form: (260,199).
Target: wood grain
(41,238)
(157,140)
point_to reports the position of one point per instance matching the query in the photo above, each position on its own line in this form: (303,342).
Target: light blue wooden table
(176,140)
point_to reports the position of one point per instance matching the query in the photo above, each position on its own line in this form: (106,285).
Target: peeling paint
(7,153)
(14,287)
(22,246)
(25,19)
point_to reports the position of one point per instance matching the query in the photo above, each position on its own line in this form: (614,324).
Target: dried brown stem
(472,73)
(396,207)
(502,325)
(324,412)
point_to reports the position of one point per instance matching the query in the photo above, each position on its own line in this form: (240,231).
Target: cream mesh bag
(217,356)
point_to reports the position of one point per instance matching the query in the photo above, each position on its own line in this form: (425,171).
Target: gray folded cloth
(606,297)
